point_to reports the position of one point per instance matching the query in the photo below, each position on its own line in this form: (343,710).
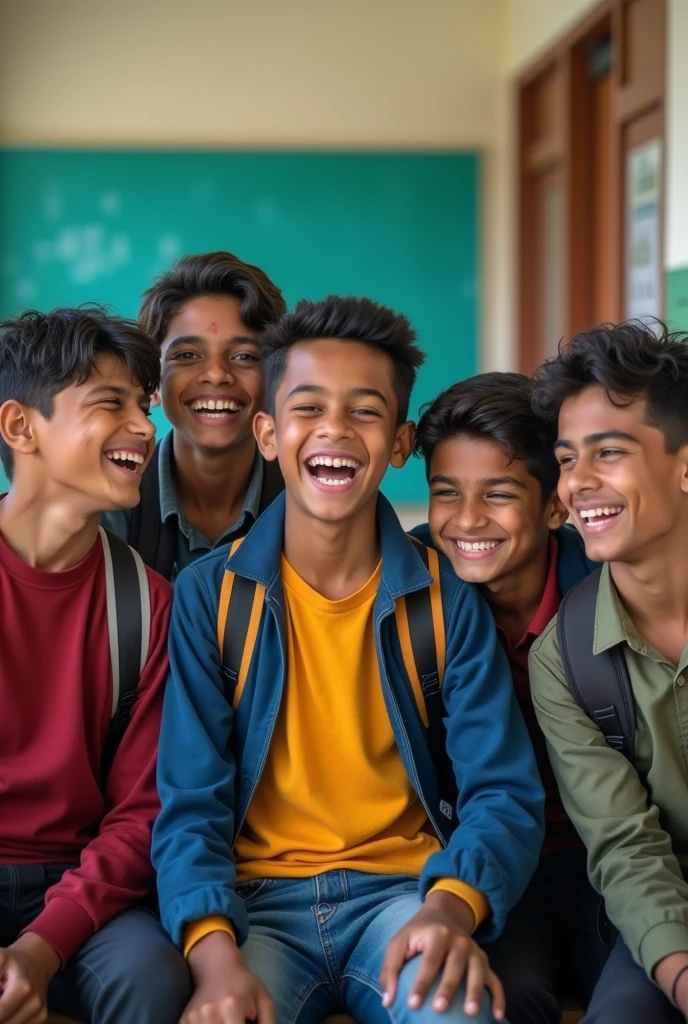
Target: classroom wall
(222,72)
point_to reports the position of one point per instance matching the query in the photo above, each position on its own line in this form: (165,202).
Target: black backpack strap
(424,646)
(238,617)
(599,682)
(273,484)
(153,539)
(128,611)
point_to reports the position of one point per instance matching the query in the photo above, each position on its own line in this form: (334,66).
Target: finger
(475,984)
(17,990)
(496,989)
(266,1009)
(454,970)
(234,1010)
(32,1011)
(395,958)
(430,966)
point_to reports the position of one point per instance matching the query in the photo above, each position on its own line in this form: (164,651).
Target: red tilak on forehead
(213,328)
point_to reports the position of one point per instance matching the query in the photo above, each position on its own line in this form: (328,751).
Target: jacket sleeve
(496,845)
(193,836)
(115,869)
(630,857)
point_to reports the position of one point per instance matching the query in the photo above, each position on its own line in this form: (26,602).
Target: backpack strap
(238,619)
(153,539)
(420,625)
(599,682)
(273,484)
(128,612)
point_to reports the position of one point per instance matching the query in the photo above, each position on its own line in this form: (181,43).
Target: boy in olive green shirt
(621,398)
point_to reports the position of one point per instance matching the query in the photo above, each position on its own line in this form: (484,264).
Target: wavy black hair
(348,319)
(41,354)
(492,407)
(211,273)
(630,360)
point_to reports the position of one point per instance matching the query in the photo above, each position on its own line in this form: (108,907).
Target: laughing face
(97,441)
(487,513)
(627,495)
(212,384)
(335,427)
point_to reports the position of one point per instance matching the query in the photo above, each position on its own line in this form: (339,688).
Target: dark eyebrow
(195,339)
(110,389)
(603,435)
(315,389)
(493,481)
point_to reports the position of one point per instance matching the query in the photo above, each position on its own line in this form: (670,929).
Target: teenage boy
(305,818)
(75,387)
(207,483)
(495,513)
(620,396)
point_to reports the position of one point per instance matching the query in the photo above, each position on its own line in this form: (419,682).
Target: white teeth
(598,513)
(332,483)
(210,405)
(336,463)
(481,545)
(125,457)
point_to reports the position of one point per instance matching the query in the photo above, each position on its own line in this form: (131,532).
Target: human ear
(403,444)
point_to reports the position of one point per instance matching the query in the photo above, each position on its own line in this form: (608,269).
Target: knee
(154,981)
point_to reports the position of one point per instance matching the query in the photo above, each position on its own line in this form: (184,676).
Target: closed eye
(444,492)
(501,496)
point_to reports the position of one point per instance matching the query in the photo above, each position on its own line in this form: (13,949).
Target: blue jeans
(129,971)
(625,995)
(318,944)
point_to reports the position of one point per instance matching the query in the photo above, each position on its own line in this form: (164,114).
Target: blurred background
(505,172)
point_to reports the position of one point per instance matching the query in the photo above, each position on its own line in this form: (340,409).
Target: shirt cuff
(65,925)
(473,897)
(197,930)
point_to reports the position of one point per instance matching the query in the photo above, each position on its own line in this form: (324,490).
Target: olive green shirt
(632,818)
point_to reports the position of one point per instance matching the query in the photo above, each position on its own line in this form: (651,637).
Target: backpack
(599,682)
(420,626)
(128,615)
(154,540)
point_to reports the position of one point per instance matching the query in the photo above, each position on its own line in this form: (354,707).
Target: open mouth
(126,461)
(600,518)
(475,549)
(216,411)
(333,473)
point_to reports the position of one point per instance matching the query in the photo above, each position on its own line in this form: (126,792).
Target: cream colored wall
(264,73)
(677,136)
(273,73)
(533,25)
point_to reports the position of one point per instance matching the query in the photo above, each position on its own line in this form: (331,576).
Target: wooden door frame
(566,148)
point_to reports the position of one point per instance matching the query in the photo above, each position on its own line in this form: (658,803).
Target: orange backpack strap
(420,624)
(238,619)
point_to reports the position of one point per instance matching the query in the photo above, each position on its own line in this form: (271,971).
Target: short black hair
(492,407)
(216,274)
(630,361)
(345,319)
(41,354)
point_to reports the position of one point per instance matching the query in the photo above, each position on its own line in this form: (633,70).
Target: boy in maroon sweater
(75,868)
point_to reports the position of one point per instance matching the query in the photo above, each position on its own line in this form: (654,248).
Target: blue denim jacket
(211,755)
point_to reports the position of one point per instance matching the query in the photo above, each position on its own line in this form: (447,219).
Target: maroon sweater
(559,831)
(56,697)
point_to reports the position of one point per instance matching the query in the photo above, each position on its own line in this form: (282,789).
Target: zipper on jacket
(416,779)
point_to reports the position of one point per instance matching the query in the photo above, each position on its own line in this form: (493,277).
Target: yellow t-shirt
(334,792)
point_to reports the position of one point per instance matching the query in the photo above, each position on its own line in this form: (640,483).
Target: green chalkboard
(78,226)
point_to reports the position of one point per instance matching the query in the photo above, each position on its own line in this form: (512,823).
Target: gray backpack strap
(128,613)
(599,682)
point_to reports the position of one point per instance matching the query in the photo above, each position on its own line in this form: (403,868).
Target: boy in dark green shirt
(621,399)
